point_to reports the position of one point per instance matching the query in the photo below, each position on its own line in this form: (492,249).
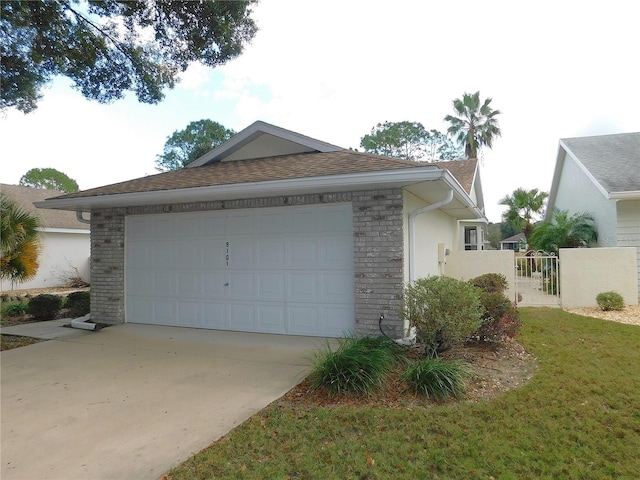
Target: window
(470,238)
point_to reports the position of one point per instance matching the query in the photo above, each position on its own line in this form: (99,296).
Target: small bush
(15,309)
(357,365)
(435,377)
(445,312)
(500,318)
(490,282)
(78,303)
(610,301)
(45,306)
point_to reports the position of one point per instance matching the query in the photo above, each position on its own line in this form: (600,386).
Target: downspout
(80,218)
(412,230)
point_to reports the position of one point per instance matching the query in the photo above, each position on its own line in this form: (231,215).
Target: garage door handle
(226,284)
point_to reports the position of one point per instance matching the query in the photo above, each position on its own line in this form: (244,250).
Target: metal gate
(537,279)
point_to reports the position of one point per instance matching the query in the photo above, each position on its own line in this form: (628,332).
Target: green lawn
(578,418)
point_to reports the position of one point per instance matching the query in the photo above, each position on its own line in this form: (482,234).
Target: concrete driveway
(131,401)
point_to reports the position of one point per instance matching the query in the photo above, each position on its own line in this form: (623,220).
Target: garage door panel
(214,315)
(189,314)
(270,223)
(271,253)
(188,253)
(335,253)
(164,284)
(214,226)
(303,253)
(242,316)
(142,281)
(213,285)
(303,320)
(271,318)
(337,288)
(165,311)
(303,287)
(214,253)
(188,225)
(336,320)
(271,286)
(240,223)
(242,285)
(275,270)
(163,254)
(141,229)
(140,309)
(142,253)
(188,284)
(304,221)
(241,252)
(165,227)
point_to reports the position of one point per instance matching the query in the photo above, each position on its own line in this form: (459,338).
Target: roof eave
(328,183)
(319,184)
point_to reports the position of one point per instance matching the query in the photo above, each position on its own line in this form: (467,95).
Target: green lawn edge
(578,418)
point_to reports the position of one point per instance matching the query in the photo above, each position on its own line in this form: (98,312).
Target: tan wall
(586,272)
(465,265)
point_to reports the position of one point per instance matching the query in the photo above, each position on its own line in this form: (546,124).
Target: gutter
(412,229)
(325,183)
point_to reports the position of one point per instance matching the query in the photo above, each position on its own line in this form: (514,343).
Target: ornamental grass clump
(357,365)
(610,301)
(437,378)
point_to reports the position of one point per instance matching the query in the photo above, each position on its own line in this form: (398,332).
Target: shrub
(490,282)
(445,311)
(78,303)
(357,365)
(15,309)
(45,306)
(437,377)
(500,319)
(610,301)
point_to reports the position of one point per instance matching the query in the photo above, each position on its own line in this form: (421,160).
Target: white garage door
(282,270)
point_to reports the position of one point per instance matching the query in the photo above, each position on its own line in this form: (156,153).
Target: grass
(358,365)
(7,342)
(578,418)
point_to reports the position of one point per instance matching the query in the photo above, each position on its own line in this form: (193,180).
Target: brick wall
(378,252)
(107,266)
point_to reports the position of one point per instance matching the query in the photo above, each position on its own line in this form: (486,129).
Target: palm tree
(525,206)
(19,242)
(564,231)
(474,124)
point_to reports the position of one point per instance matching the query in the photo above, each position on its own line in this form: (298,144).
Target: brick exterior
(378,252)
(107,266)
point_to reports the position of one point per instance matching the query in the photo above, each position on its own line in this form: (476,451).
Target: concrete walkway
(131,401)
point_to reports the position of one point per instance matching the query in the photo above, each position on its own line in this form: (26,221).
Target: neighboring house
(515,242)
(274,232)
(601,175)
(64,241)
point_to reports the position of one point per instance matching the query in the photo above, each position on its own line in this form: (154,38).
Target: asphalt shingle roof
(282,167)
(25,196)
(613,160)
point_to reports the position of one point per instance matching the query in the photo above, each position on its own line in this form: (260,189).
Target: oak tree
(109,47)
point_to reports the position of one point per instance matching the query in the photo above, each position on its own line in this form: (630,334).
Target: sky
(332,70)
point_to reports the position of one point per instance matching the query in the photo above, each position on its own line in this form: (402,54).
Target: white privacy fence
(572,280)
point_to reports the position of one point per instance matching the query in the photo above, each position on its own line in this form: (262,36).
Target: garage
(284,270)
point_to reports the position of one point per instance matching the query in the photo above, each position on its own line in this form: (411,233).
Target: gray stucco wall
(378,253)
